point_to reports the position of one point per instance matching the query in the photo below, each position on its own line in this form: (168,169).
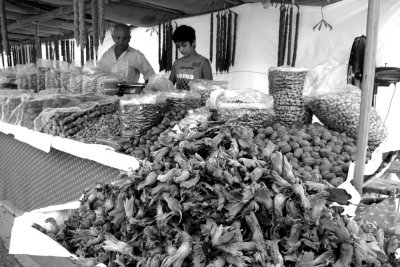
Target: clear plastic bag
(195,118)
(243,105)
(139,114)
(8,75)
(184,100)
(52,74)
(286,85)
(41,81)
(66,122)
(3,100)
(10,105)
(65,75)
(89,78)
(325,77)
(107,81)
(22,78)
(106,125)
(4,95)
(159,83)
(339,110)
(205,87)
(116,142)
(92,97)
(75,81)
(186,128)
(29,110)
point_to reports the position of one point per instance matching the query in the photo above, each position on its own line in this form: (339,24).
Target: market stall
(206,177)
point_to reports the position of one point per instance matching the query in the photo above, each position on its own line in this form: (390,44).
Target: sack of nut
(140,114)
(339,110)
(242,106)
(286,86)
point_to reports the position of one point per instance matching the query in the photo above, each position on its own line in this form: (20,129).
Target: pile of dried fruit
(219,197)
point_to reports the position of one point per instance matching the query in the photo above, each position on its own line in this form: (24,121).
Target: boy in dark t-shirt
(191,65)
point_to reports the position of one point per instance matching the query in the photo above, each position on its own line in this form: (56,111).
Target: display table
(32,177)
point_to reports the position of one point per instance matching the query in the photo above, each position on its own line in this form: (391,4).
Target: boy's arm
(206,70)
(172,76)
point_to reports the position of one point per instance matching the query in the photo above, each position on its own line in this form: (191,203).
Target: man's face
(121,39)
(185,48)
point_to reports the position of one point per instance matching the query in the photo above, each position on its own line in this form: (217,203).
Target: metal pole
(367,87)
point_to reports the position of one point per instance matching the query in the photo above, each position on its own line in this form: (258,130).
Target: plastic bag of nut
(75,81)
(65,76)
(41,71)
(139,114)
(22,78)
(89,78)
(52,74)
(68,121)
(41,66)
(205,87)
(29,109)
(184,100)
(340,111)
(26,77)
(246,106)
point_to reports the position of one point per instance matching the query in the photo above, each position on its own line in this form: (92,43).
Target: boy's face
(185,48)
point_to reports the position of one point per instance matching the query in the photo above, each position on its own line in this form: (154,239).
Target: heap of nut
(341,112)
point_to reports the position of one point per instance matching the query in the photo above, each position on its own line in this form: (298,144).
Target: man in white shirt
(123,59)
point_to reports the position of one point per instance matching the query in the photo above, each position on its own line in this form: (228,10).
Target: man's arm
(144,67)
(102,63)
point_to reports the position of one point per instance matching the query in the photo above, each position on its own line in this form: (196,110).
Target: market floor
(7,260)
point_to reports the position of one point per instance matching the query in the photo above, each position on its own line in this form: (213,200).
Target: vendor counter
(38,170)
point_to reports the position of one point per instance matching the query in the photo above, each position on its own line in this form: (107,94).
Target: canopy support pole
(367,87)
(38,46)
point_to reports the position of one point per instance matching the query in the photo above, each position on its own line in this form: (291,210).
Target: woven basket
(286,86)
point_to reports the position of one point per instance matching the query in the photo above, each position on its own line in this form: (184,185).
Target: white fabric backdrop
(258,41)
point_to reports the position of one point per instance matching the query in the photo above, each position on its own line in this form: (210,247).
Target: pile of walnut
(314,151)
